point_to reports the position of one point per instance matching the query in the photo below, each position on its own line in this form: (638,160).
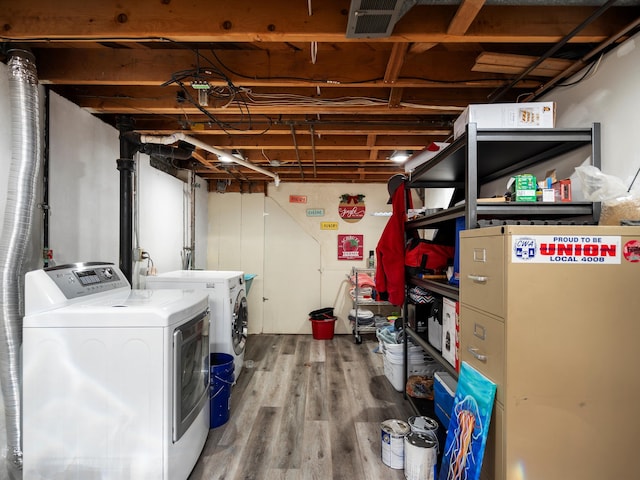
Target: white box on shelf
(450,329)
(507,115)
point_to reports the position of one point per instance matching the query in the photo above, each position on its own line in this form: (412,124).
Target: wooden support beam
(515,64)
(396,60)
(464,17)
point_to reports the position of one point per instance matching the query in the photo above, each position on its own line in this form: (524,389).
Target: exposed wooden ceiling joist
(347,102)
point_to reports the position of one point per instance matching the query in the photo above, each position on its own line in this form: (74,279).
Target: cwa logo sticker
(524,248)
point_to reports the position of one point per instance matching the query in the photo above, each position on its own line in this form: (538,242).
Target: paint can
(393,433)
(420,457)
(426,426)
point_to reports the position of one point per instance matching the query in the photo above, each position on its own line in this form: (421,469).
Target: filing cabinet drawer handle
(474,351)
(478,278)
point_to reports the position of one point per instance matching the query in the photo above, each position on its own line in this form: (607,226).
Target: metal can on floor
(420,457)
(426,426)
(393,434)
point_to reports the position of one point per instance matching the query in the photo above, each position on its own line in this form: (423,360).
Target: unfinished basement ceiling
(283,83)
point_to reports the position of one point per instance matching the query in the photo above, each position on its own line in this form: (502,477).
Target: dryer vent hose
(16,230)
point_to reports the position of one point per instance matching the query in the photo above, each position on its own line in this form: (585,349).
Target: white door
(291,273)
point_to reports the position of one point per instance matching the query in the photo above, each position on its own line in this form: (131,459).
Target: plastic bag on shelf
(619,202)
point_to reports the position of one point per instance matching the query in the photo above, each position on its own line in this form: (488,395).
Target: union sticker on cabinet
(450,330)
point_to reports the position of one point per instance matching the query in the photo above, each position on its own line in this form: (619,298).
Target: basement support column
(126,167)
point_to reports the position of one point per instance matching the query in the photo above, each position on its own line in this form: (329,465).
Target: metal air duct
(377,18)
(16,229)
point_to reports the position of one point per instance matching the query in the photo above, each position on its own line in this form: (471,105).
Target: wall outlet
(137,254)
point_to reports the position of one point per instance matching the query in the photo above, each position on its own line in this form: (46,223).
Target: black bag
(322,314)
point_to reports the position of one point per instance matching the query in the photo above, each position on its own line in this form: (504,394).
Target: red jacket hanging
(390,277)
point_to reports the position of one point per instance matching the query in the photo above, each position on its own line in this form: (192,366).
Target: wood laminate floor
(305,409)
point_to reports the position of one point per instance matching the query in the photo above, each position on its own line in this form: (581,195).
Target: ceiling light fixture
(400,156)
(231,158)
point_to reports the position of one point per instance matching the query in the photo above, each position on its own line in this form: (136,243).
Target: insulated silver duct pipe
(19,211)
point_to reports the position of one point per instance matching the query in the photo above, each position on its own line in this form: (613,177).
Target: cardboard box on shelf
(523,187)
(507,115)
(450,329)
(434,324)
(562,190)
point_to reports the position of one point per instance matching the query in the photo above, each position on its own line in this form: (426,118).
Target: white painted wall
(85,189)
(608,95)
(83,186)
(611,96)
(237,226)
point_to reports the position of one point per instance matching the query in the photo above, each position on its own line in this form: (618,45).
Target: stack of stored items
(364,285)
(419,363)
(364,318)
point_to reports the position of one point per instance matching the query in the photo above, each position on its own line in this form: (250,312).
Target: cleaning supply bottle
(371,261)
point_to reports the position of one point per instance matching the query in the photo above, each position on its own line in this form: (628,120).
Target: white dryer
(228,304)
(115,381)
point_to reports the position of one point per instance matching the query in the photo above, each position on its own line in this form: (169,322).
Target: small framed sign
(350,247)
(328,225)
(315,212)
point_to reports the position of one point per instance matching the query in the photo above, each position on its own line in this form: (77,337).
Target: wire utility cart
(362,294)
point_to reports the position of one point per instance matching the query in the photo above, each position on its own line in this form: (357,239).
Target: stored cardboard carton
(507,115)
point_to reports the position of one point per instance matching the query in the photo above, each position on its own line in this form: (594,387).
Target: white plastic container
(394,364)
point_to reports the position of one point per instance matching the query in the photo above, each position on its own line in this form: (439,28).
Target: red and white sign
(631,251)
(351,208)
(350,247)
(566,249)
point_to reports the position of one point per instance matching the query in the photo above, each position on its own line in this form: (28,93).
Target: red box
(323,329)
(562,190)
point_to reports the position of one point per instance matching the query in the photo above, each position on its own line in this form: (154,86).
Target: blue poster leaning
(469,426)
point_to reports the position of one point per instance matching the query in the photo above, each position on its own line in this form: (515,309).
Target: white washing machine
(115,381)
(228,303)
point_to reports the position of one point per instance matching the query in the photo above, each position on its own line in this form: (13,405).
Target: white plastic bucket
(393,433)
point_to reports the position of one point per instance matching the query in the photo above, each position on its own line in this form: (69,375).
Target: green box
(524,186)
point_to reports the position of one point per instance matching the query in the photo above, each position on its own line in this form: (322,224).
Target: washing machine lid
(134,308)
(211,275)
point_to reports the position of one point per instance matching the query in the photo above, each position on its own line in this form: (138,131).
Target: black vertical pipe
(45,177)
(126,166)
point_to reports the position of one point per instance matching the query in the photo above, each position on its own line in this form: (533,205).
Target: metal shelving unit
(483,155)
(357,329)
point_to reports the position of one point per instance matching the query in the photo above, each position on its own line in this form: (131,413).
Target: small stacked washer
(227,301)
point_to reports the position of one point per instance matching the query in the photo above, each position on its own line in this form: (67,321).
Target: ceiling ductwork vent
(378,18)
(375,18)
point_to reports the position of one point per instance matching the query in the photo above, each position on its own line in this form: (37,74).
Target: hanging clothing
(390,277)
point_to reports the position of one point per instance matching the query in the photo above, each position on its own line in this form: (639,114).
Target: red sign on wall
(351,208)
(350,247)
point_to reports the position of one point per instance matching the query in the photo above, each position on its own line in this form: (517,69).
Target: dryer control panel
(81,279)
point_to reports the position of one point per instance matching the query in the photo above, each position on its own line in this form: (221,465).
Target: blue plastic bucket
(222,378)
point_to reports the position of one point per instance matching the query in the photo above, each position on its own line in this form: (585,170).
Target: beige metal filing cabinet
(552,315)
